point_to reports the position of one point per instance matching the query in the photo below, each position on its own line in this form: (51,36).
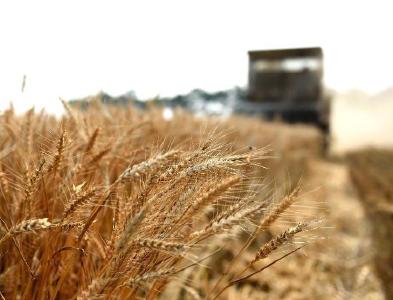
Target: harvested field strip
(372,174)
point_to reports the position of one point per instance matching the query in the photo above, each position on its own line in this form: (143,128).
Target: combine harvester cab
(287,85)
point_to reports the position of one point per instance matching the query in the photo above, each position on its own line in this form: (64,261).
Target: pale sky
(75,48)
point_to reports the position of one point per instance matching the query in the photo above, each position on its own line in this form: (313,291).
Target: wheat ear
(79,201)
(32,225)
(59,154)
(160,245)
(285,203)
(92,140)
(278,241)
(137,170)
(211,193)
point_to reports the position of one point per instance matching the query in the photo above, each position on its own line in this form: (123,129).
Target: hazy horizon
(75,49)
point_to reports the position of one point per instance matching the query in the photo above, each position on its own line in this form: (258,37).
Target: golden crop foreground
(114,203)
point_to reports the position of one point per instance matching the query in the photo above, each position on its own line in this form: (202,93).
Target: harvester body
(287,85)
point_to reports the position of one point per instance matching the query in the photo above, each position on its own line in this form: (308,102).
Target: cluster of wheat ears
(111,203)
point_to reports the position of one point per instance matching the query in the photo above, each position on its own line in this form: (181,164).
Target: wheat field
(112,202)
(115,203)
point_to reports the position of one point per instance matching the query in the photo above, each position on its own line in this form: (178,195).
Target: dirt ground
(351,249)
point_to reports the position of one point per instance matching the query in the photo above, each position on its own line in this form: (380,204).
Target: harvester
(287,85)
